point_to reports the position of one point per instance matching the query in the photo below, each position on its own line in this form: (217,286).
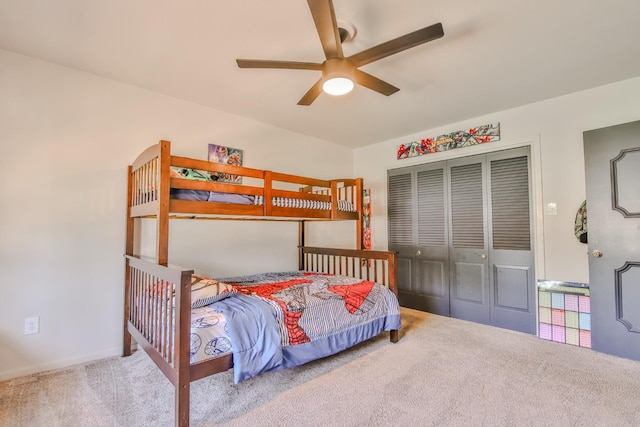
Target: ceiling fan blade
(324,17)
(292,65)
(374,83)
(396,45)
(311,94)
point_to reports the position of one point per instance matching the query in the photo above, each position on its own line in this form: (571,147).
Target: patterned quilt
(280,320)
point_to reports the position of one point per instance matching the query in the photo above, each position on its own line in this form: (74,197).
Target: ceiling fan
(339,72)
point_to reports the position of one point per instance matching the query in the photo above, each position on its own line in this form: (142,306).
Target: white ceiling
(495,54)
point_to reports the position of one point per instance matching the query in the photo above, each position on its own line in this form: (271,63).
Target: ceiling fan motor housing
(338,67)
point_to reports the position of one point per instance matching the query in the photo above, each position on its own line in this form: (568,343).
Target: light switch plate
(552,209)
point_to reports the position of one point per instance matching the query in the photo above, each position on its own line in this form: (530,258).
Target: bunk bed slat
(186,162)
(297,179)
(300,212)
(204,208)
(215,186)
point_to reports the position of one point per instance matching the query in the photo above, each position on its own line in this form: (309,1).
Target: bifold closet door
(462,232)
(468,250)
(512,279)
(491,257)
(418,234)
(432,250)
(401,207)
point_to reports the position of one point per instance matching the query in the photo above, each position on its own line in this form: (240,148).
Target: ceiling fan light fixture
(337,86)
(337,76)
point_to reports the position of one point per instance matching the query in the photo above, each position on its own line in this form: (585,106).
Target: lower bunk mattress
(280,320)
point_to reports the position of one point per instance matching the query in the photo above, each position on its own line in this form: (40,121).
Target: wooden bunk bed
(159,317)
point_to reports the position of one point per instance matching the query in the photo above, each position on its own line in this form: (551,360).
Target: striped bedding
(284,202)
(280,320)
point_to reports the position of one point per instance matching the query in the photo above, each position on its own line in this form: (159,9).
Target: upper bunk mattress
(243,199)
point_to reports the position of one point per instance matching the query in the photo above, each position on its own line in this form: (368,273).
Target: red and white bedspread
(280,320)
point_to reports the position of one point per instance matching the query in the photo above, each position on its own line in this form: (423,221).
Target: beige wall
(66,138)
(554,130)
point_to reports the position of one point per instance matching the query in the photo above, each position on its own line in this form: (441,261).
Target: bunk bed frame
(161,328)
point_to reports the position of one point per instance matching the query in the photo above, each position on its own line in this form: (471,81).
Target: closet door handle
(483,256)
(419,252)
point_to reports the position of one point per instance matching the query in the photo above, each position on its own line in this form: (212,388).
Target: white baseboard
(60,364)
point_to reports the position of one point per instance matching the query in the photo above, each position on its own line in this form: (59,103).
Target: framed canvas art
(227,156)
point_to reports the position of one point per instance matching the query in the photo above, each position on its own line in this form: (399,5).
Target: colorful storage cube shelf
(564,312)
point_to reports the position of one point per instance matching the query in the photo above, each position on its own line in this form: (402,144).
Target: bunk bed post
(182,362)
(393,286)
(126,337)
(268,197)
(301,245)
(334,199)
(358,203)
(163,206)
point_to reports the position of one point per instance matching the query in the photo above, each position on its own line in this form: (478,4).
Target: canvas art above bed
(227,156)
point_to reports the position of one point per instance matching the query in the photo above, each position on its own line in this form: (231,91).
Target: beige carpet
(443,372)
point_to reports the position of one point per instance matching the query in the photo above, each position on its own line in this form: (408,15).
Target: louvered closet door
(512,277)
(462,230)
(468,250)
(401,208)
(418,234)
(432,248)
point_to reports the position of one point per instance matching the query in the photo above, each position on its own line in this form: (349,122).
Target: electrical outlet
(31,325)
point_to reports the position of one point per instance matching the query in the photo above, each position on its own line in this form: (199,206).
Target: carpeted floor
(443,372)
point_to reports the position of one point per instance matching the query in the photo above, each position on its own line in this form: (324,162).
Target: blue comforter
(281,320)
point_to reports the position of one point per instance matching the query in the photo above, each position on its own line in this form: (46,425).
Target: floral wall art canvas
(463,138)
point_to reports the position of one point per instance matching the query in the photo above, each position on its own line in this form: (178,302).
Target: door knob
(419,252)
(596,253)
(483,256)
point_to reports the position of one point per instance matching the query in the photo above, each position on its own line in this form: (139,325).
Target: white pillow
(205,291)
